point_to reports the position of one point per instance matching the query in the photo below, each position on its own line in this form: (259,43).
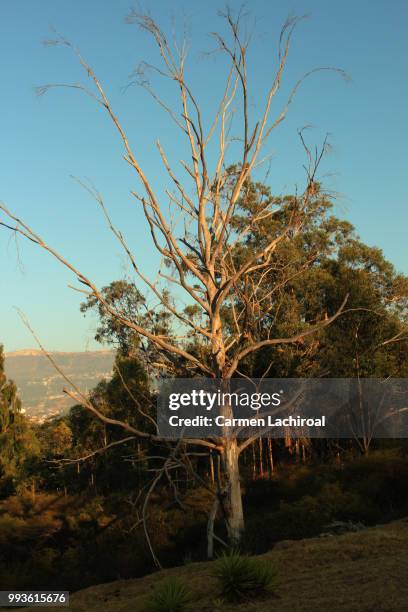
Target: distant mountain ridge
(40,385)
(36,352)
(24,353)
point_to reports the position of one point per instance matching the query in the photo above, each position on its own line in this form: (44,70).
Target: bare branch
(274,341)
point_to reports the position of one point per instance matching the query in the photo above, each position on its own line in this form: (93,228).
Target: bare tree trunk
(288,442)
(210,529)
(261,467)
(271,455)
(366,445)
(233,494)
(212,472)
(230,452)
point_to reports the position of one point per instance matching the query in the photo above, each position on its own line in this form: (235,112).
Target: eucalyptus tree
(198,239)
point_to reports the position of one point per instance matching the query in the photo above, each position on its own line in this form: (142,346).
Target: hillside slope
(39,384)
(359,572)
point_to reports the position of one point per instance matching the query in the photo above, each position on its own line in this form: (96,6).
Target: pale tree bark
(235,511)
(197,239)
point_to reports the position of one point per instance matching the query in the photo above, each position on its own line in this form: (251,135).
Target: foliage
(169,595)
(241,577)
(18,444)
(123,296)
(310,274)
(55,437)
(322,263)
(301,500)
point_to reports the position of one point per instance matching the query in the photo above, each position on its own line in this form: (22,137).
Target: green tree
(323,261)
(18,444)
(55,437)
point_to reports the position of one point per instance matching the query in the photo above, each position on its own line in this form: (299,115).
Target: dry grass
(359,572)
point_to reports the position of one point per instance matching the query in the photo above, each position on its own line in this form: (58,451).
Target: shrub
(241,577)
(381,478)
(169,595)
(301,519)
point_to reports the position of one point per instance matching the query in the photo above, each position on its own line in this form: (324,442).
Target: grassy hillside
(362,572)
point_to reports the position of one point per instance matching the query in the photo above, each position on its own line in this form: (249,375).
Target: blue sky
(43,141)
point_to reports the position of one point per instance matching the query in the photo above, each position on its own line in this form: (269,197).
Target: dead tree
(199,248)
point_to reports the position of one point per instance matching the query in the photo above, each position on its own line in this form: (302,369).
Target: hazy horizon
(34,351)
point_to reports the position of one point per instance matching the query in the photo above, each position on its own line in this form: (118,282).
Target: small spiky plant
(169,595)
(241,577)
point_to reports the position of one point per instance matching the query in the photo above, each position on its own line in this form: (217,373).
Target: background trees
(18,444)
(312,271)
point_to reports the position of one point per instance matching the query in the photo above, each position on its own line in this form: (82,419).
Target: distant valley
(41,387)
